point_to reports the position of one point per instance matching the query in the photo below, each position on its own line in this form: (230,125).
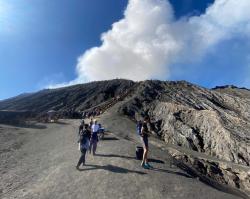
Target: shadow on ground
(150,160)
(109,139)
(156,161)
(173,172)
(25,125)
(116,169)
(115,156)
(61,122)
(111,168)
(129,157)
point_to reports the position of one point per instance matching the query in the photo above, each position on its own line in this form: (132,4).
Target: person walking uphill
(84,135)
(81,126)
(144,138)
(94,137)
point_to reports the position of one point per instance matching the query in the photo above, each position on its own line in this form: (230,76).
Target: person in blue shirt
(94,137)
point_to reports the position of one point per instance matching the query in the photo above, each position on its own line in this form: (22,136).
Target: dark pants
(93,143)
(82,158)
(93,146)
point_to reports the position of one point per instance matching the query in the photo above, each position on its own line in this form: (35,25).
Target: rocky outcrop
(203,120)
(214,172)
(233,90)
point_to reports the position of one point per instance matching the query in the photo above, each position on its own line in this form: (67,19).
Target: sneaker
(145,166)
(148,165)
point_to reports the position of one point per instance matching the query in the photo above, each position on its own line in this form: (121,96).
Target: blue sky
(45,39)
(41,40)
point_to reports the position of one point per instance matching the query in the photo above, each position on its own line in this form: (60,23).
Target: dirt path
(39,162)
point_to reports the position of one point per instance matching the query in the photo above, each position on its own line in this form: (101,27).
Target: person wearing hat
(94,137)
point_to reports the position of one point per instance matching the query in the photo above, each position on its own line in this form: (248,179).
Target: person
(80,129)
(91,123)
(84,135)
(83,115)
(138,127)
(82,122)
(101,131)
(94,137)
(144,138)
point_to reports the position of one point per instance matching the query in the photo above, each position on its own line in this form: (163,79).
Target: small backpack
(138,127)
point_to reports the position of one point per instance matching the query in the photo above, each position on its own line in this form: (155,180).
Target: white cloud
(223,20)
(149,39)
(136,47)
(52,80)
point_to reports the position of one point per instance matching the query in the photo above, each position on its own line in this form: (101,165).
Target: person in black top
(144,138)
(84,136)
(80,129)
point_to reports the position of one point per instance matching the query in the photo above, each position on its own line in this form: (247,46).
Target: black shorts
(144,140)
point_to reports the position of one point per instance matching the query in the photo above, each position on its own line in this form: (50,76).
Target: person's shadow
(111,168)
(173,172)
(129,157)
(115,156)
(117,169)
(109,139)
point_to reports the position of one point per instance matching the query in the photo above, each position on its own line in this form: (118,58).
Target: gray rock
(203,120)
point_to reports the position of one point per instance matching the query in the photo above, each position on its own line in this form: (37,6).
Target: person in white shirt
(94,137)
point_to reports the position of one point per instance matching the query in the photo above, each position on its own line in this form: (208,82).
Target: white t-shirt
(95,127)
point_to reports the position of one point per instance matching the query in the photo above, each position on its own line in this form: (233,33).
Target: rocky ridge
(78,97)
(203,120)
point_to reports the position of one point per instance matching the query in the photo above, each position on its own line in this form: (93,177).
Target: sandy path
(43,166)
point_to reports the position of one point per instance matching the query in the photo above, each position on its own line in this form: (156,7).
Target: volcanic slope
(39,162)
(214,123)
(77,97)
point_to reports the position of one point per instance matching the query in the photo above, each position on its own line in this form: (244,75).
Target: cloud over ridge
(148,40)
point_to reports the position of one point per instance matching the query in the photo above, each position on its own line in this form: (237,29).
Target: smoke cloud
(149,40)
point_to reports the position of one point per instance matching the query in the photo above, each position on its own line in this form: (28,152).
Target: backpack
(138,127)
(83,137)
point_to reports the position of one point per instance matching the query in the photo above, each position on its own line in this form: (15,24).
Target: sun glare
(3,8)
(3,12)
(4,16)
